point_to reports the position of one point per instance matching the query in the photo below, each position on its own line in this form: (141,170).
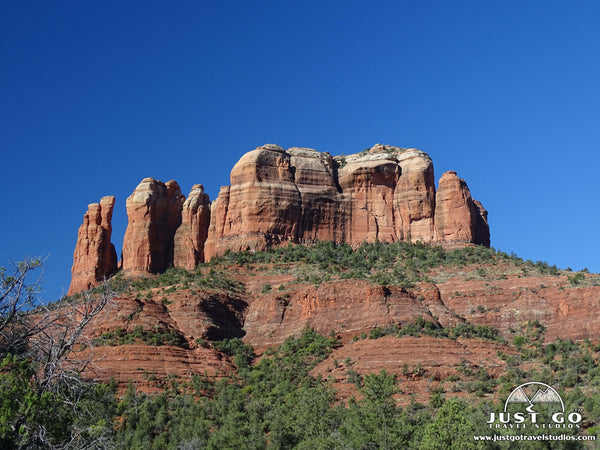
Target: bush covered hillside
(454,333)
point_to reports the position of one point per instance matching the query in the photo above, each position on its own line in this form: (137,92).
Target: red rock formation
(437,358)
(154,213)
(261,208)
(193,231)
(193,316)
(347,307)
(94,258)
(459,219)
(508,303)
(218,224)
(414,197)
(301,195)
(324,214)
(481,231)
(148,367)
(368,183)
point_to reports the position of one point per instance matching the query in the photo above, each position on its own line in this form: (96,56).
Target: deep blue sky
(98,95)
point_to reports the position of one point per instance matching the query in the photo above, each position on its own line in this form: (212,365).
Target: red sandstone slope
(349,308)
(420,364)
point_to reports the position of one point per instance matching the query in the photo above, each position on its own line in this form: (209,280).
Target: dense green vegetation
(154,337)
(275,403)
(422,327)
(398,263)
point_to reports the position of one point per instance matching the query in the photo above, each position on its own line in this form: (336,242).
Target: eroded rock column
(368,182)
(414,197)
(154,214)
(193,231)
(458,218)
(324,214)
(262,207)
(95,257)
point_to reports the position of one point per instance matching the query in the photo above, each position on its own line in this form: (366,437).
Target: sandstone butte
(301,195)
(276,197)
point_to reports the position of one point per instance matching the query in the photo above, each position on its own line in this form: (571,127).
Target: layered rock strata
(154,214)
(320,218)
(261,208)
(348,308)
(95,257)
(193,231)
(300,195)
(414,197)
(367,183)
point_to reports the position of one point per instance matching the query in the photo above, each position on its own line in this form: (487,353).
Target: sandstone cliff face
(368,183)
(193,231)
(458,218)
(154,213)
(437,358)
(414,197)
(194,316)
(300,195)
(324,213)
(95,257)
(348,307)
(261,208)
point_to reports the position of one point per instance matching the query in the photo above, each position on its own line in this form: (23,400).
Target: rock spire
(95,257)
(154,214)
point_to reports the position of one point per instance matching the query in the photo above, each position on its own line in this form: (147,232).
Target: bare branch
(45,336)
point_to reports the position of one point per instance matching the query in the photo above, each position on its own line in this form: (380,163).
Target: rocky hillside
(467,305)
(277,197)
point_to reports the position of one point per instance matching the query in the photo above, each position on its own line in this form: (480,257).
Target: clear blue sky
(98,95)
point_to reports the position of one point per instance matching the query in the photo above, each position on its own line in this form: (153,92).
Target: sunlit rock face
(193,231)
(459,218)
(95,257)
(324,211)
(154,214)
(262,207)
(415,197)
(300,195)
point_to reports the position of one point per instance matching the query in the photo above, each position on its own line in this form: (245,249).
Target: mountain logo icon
(534,393)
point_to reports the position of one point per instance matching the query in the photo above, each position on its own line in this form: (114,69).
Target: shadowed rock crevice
(226,320)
